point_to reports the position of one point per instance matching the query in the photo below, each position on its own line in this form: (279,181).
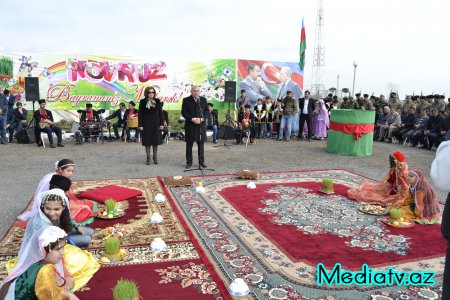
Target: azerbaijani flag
(301,63)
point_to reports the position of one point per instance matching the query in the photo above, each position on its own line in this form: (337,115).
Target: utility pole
(317,86)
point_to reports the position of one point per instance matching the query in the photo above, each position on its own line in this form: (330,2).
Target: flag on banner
(302,47)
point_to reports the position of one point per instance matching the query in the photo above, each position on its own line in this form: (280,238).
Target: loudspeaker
(226,132)
(32,88)
(230,91)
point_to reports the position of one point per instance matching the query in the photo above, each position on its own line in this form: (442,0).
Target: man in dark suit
(44,122)
(121,119)
(306,107)
(195,111)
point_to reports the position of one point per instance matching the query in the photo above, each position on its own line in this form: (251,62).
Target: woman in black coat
(151,122)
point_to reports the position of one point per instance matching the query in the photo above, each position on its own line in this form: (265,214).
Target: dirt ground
(22,166)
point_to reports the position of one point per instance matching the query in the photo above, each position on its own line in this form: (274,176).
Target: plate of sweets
(111,210)
(398,222)
(373,209)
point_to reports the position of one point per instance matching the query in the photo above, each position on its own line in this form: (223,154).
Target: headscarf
(40,220)
(44,185)
(323,113)
(33,253)
(430,203)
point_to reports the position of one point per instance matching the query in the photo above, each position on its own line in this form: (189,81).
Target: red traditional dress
(394,190)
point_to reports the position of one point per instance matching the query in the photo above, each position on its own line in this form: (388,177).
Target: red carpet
(427,240)
(275,235)
(183,280)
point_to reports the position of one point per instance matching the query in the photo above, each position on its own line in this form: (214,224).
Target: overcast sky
(402,45)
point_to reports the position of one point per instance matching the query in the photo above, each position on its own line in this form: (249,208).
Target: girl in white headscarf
(39,274)
(58,215)
(81,211)
(54,211)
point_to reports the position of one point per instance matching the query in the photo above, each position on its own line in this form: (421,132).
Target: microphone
(200,106)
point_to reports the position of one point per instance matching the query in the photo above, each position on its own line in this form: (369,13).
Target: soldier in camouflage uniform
(365,103)
(423,105)
(349,103)
(409,103)
(394,103)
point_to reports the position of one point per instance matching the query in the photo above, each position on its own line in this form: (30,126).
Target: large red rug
(311,220)
(275,235)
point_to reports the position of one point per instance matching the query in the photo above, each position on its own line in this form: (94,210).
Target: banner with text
(68,82)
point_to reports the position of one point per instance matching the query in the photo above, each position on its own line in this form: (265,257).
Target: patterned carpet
(275,235)
(178,272)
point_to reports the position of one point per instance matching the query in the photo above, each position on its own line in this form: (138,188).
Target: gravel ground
(24,165)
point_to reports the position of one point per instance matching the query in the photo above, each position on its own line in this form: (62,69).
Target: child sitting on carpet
(39,274)
(80,235)
(394,190)
(422,205)
(82,211)
(54,211)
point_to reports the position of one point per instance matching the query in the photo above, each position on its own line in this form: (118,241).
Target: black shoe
(60,145)
(188,165)
(203,165)
(155,161)
(148,161)
(52,146)
(309,140)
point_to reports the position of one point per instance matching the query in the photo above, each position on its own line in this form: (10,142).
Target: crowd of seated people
(421,121)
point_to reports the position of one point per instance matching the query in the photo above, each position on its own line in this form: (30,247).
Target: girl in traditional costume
(394,190)
(422,206)
(39,274)
(54,211)
(321,120)
(82,211)
(80,235)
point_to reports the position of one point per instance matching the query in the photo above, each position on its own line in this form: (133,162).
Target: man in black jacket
(195,111)
(306,107)
(44,123)
(19,120)
(408,122)
(89,115)
(121,120)
(431,130)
